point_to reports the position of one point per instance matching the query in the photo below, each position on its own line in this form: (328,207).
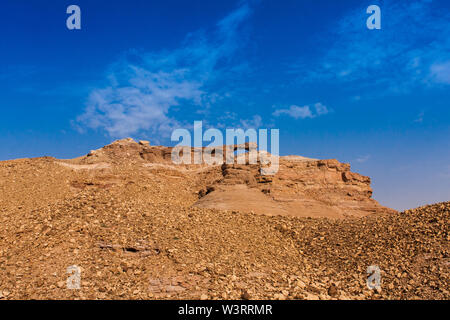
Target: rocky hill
(140,227)
(302,187)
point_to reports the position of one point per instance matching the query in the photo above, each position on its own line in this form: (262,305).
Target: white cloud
(142,105)
(146,87)
(254,123)
(320,109)
(304,112)
(440,72)
(419,118)
(295,112)
(362,159)
(411,50)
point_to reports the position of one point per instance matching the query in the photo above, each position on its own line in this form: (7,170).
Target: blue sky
(378,99)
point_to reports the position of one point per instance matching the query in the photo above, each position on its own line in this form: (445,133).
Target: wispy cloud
(362,159)
(253,123)
(146,88)
(440,72)
(412,49)
(419,118)
(304,112)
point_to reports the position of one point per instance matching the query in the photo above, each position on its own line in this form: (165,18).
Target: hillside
(140,227)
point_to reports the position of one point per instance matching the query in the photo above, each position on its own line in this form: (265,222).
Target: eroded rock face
(301,187)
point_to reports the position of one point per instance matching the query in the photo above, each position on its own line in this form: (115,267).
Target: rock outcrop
(301,187)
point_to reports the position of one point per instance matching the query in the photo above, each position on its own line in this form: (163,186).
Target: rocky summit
(138,226)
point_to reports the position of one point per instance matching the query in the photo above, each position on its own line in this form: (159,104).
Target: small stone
(203,297)
(301,284)
(279,296)
(310,296)
(333,291)
(245,295)
(144,142)
(174,289)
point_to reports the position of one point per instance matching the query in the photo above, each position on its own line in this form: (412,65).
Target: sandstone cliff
(301,187)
